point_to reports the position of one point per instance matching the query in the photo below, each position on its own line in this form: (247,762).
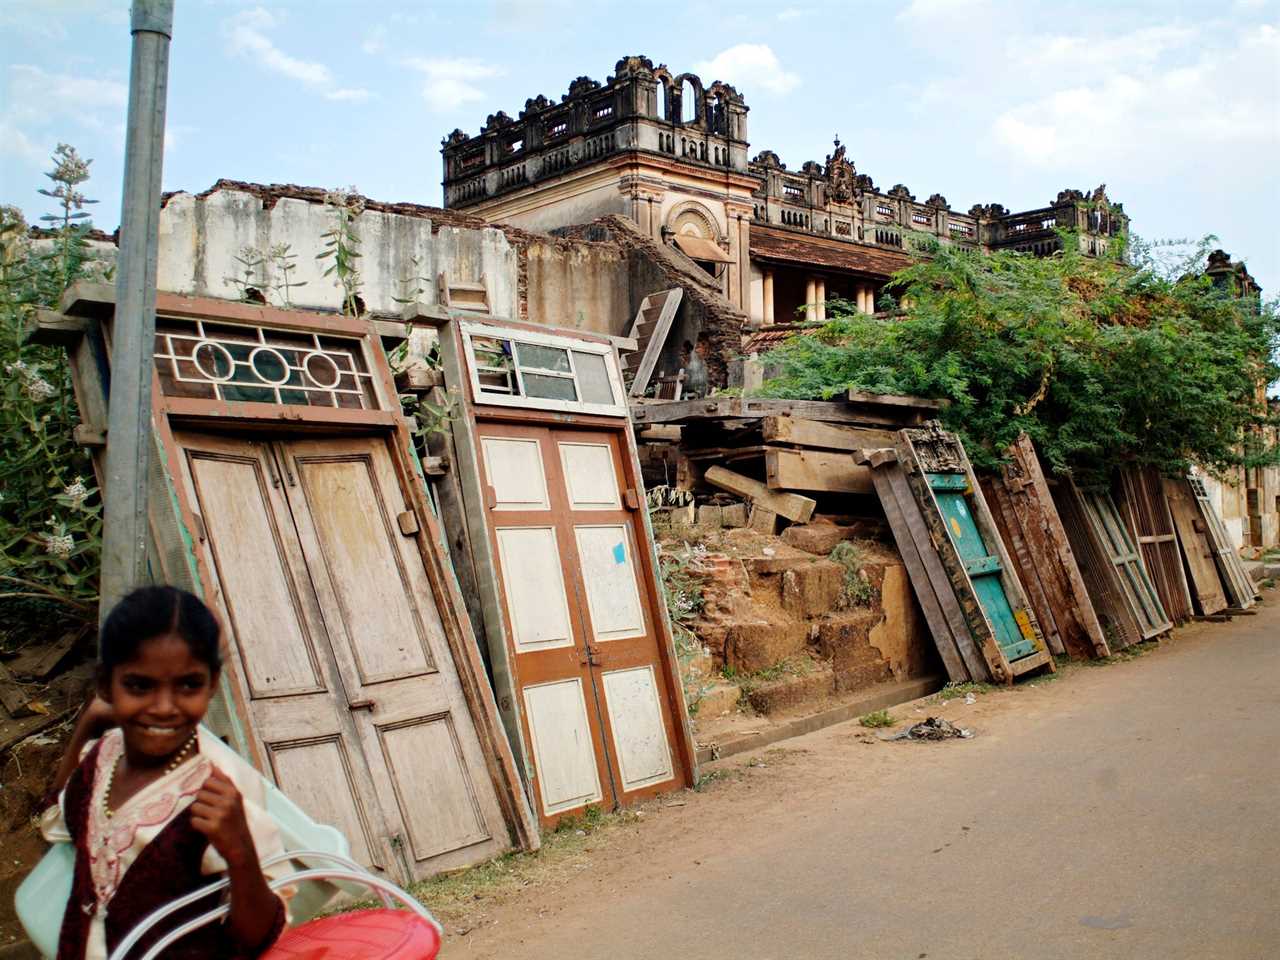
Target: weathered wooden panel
(562,745)
(1198,553)
(609,574)
(1029,523)
(635,718)
(1136,586)
(516,475)
(1241,590)
(1146,513)
(588,473)
(534,578)
(935,462)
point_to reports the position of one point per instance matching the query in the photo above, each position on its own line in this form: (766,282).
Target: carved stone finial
(767,158)
(900,191)
(939,201)
(1069,196)
(496,121)
(534,105)
(1099,195)
(455,138)
(582,85)
(636,66)
(840,174)
(811,167)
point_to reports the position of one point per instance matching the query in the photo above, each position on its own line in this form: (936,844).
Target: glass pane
(593,378)
(549,388)
(543,358)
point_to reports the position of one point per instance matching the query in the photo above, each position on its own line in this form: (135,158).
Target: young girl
(150,814)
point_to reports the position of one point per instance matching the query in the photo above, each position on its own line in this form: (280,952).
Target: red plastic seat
(359,935)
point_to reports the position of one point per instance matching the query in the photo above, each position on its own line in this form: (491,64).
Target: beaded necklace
(178,759)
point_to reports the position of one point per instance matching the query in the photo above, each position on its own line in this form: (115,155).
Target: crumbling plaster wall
(576,284)
(201,237)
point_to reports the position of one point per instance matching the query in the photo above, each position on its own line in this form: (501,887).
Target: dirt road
(1128,811)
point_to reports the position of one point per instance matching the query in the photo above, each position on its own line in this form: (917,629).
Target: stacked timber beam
(764,447)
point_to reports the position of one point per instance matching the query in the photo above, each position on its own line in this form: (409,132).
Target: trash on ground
(930,728)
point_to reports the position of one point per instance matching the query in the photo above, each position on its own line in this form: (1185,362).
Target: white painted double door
(337,648)
(596,706)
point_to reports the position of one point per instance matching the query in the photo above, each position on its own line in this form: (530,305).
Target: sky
(1174,105)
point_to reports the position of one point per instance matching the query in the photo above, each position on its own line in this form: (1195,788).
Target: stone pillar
(810,297)
(744,258)
(768,294)
(820,300)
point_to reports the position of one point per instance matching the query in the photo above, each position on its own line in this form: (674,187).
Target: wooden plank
(718,408)
(1197,553)
(51,329)
(1241,591)
(977,665)
(794,507)
(14,695)
(1040,658)
(939,627)
(666,303)
(1146,510)
(37,661)
(1073,611)
(816,471)
(892,400)
(1136,586)
(88,435)
(661,433)
(418,380)
(825,436)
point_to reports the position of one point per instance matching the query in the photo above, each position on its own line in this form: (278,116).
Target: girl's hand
(98,717)
(218,813)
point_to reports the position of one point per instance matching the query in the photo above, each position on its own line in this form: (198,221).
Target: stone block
(733,515)
(816,538)
(718,700)
(901,637)
(841,635)
(789,693)
(812,590)
(749,647)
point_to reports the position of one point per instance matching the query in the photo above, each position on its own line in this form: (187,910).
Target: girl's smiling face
(159,698)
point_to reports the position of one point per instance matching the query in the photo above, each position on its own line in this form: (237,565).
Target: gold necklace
(178,759)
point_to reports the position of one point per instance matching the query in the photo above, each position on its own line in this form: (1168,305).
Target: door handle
(592,656)
(368,704)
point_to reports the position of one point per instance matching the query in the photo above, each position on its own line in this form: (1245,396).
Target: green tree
(1098,361)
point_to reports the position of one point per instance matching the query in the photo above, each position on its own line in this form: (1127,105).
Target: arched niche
(691,106)
(693,219)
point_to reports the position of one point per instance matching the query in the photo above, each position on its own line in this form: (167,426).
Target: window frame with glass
(530,360)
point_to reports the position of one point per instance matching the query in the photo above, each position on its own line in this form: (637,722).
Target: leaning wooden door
(981,564)
(595,710)
(341,649)
(410,714)
(279,641)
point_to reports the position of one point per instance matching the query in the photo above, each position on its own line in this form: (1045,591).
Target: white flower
(77,492)
(38,388)
(58,544)
(17,368)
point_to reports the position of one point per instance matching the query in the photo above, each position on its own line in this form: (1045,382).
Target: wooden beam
(794,507)
(660,433)
(50,329)
(825,436)
(424,315)
(418,380)
(720,408)
(88,435)
(891,400)
(817,471)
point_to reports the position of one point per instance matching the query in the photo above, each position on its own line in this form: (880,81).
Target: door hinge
(201,533)
(408,522)
(491,496)
(632,499)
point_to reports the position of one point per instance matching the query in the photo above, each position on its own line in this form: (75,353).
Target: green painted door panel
(982,566)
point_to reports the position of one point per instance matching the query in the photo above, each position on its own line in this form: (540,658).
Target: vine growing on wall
(1098,361)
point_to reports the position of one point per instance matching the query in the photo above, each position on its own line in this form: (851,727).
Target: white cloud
(246,36)
(750,65)
(1157,109)
(36,92)
(451,81)
(790,13)
(15,143)
(375,41)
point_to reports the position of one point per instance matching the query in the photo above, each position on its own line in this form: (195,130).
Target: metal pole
(129,440)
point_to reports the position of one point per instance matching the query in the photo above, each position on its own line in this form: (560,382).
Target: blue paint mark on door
(619,553)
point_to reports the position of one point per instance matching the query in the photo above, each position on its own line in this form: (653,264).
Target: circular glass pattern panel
(213,360)
(270,366)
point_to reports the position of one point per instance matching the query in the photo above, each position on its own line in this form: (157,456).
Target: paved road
(1130,811)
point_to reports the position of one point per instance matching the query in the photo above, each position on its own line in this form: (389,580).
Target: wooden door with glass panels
(596,712)
(339,647)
